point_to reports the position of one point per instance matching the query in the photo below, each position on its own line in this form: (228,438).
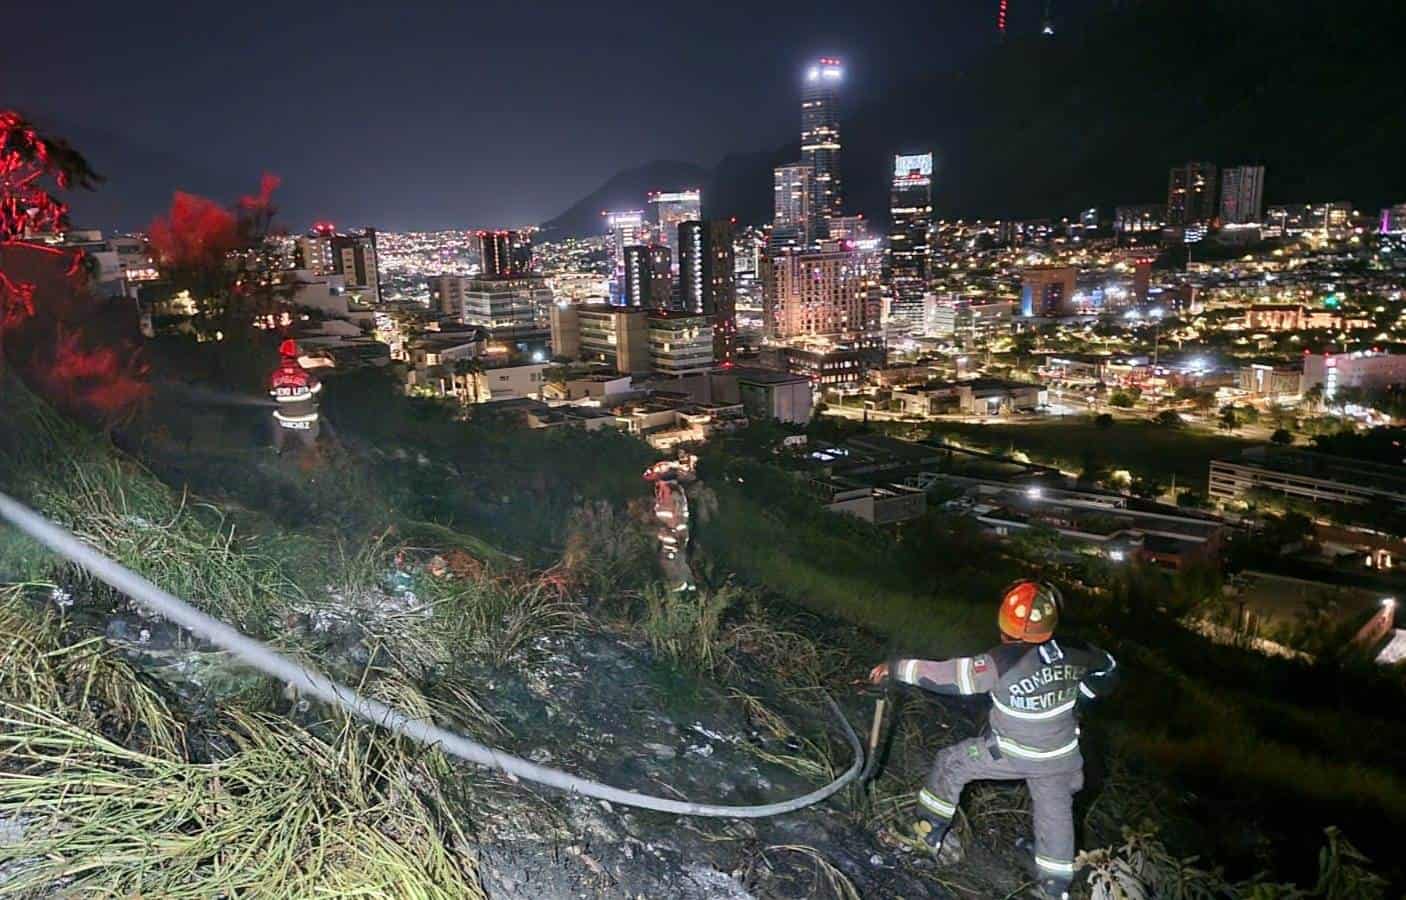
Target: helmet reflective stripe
(1034,716)
(1054,865)
(936,804)
(1023,752)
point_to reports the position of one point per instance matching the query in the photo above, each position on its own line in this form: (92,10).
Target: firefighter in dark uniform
(672,515)
(1037,686)
(295,391)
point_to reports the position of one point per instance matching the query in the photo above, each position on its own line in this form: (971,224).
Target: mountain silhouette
(1095,116)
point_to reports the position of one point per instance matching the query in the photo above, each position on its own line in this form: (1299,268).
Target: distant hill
(1095,116)
(625,190)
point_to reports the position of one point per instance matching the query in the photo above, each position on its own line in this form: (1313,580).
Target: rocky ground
(599,705)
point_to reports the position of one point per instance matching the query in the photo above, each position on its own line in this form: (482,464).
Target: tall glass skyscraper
(910,213)
(820,135)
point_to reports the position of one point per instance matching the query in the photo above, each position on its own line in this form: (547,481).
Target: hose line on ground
(260,656)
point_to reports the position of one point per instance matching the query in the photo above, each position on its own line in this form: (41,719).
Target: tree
(1204,400)
(32,167)
(1313,397)
(1168,418)
(466,371)
(1122,400)
(1103,420)
(1282,437)
(1229,418)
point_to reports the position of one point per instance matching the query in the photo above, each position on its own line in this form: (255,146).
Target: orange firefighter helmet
(1029,611)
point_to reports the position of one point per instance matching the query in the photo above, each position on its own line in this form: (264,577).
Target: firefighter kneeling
(295,390)
(1037,685)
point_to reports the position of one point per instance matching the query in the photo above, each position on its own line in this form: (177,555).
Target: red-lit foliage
(196,233)
(30,165)
(76,349)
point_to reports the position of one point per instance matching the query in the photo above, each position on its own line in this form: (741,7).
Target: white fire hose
(265,659)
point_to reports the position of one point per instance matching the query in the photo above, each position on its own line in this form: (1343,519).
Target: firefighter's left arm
(1102,678)
(964,675)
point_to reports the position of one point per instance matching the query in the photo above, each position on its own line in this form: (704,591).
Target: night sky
(421,115)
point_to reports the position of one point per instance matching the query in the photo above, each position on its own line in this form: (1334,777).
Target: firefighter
(671,512)
(1037,686)
(294,390)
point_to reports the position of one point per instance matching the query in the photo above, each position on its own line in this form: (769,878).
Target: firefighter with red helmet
(671,512)
(1037,686)
(295,391)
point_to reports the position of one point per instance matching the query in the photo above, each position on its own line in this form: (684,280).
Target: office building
(1316,477)
(507,307)
(626,228)
(648,277)
(679,343)
(791,218)
(1048,291)
(1297,218)
(1138,219)
(817,291)
(326,251)
(1368,369)
(447,295)
(967,321)
(834,362)
(708,280)
(1242,195)
(910,214)
(505,253)
(617,337)
(672,209)
(820,135)
(1191,194)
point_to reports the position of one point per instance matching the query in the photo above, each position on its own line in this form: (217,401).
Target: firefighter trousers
(1052,783)
(306,437)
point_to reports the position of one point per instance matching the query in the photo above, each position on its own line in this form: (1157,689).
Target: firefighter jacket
(1036,693)
(295,390)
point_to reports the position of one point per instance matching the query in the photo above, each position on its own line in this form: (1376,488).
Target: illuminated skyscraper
(791,204)
(708,280)
(648,277)
(504,253)
(820,135)
(1242,195)
(1191,194)
(910,214)
(625,227)
(671,209)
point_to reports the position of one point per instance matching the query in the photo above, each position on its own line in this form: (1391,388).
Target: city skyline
(420,153)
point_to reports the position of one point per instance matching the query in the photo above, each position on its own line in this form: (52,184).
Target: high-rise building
(648,276)
(910,213)
(680,343)
(708,280)
(505,253)
(625,227)
(600,333)
(1242,195)
(1191,194)
(447,294)
(820,135)
(326,251)
(1393,219)
(817,291)
(1048,290)
(672,209)
(791,219)
(506,306)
